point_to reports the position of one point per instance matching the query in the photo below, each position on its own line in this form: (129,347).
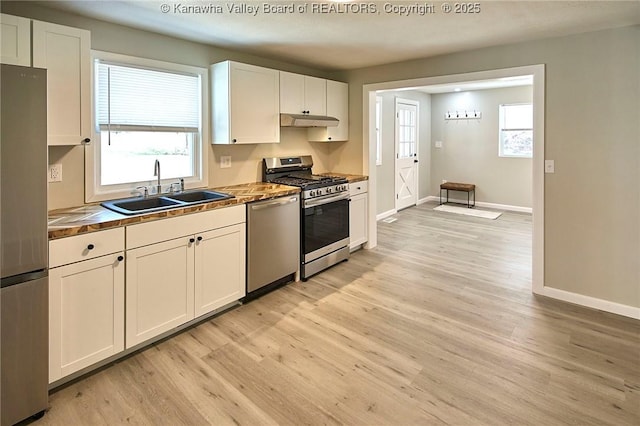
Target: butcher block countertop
(94,217)
(351,178)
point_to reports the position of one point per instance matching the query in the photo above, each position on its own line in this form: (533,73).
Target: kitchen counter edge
(93,217)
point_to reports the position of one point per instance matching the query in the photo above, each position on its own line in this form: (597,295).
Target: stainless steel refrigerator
(24,315)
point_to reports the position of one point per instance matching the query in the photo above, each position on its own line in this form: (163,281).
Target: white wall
(469,150)
(592,201)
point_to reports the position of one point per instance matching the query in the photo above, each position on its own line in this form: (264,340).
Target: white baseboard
(423,200)
(481,204)
(590,302)
(386,214)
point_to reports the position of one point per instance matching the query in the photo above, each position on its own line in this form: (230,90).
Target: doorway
(406,147)
(369,147)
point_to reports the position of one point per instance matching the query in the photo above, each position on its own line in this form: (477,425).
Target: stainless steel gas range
(324,227)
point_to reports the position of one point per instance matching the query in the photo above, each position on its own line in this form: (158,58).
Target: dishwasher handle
(274,203)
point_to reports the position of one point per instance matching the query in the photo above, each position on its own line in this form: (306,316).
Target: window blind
(130,98)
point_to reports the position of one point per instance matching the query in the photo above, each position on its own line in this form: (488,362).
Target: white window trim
(379,104)
(93,191)
(500,121)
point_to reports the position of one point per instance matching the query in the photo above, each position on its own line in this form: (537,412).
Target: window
(146,111)
(407,128)
(516,131)
(378,130)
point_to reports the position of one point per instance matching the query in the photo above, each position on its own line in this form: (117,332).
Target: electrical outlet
(438,144)
(225,161)
(55,173)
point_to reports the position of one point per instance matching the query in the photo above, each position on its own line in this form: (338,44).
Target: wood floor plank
(436,325)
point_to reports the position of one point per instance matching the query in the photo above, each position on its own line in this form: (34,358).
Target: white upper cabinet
(302,94)
(65,53)
(338,107)
(15,40)
(245,104)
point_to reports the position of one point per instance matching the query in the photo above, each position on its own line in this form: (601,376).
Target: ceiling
(355,34)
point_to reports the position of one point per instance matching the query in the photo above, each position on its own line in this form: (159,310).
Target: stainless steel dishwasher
(273,243)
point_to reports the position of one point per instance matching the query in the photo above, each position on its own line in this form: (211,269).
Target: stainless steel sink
(138,205)
(193,197)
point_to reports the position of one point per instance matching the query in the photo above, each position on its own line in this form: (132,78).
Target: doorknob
(415,161)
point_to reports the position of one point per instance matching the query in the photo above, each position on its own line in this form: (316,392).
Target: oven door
(325,226)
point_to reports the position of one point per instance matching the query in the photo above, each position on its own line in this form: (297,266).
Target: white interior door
(406,153)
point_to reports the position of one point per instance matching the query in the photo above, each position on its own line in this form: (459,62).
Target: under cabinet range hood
(306,120)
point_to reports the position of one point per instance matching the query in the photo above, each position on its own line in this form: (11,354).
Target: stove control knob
(312,193)
(329,190)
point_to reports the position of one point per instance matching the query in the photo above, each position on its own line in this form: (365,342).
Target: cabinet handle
(192,240)
(120,258)
(234,140)
(199,238)
(86,140)
(90,247)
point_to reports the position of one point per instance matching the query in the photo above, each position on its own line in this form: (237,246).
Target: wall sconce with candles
(463,115)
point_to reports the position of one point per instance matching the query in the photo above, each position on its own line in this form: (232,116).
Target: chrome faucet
(156,172)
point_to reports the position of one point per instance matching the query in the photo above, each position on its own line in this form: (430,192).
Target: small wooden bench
(463,187)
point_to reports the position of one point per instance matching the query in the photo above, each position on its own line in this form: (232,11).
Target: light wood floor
(437,325)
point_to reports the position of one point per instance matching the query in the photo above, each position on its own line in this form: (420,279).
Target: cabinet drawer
(86,246)
(356,188)
(168,229)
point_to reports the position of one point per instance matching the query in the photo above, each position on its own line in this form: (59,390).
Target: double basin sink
(140,205)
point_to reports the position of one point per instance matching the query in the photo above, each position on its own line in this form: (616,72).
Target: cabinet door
(65,53)
(358,220)
(86,314)
(15,40)
(292,93)
(219,268)
(315,95)
(159,289)
(337,106)
(255,104)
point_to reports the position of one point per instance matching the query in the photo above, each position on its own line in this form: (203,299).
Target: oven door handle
(277,202)
(321,201)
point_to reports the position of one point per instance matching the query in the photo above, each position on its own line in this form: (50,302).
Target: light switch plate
(549,166)
(55,173)
(225,161)
(438,144)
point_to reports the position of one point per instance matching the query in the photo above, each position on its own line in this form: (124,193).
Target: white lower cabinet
(159,288)
(358,214)
(172,281)
(86,303)
(177,269)
(219,268)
